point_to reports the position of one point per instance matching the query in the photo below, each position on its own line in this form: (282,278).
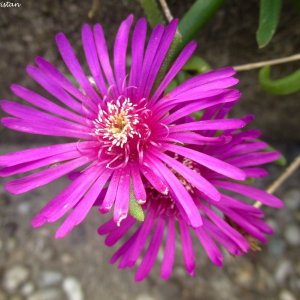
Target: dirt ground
(35,266)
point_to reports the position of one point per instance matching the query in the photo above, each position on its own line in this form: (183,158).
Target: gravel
(14,277)
(283,270)
(49,278)
(286,295)
(72,288)
(47,294)
(292,235)
(292,199)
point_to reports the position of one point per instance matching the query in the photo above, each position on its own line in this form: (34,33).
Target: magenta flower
(128,134)
(229,222)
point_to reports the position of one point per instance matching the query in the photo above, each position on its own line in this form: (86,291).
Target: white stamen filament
(118,123)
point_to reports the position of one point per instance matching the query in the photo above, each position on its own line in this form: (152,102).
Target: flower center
(191,165)
(122,130)
(116,125)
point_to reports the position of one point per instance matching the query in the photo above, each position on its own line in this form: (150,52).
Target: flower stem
(166,10)
(282,178)
(94,9)
(152,12)
(271,62)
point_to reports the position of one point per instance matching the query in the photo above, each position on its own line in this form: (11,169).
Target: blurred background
(35,266)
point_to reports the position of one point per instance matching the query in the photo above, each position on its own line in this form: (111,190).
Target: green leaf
(269,14)
(152,12)
(281,161)
(171,86)
(196,17)
(284,86)
(248,181)
(297,5)
(197,65)
(135,209)
(72,79)
(198,114)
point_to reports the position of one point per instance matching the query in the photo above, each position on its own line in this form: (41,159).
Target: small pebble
(27,289)
(49,278)
(276,246)
(73,289)
(292,199)
(286,295)
(47,294)
(23,208)
(16,297)
(283,270)
(2,295)
(245,274)
(14,277)
(144,297)
(292,235)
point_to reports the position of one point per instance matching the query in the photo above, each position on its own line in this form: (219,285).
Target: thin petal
(198,105)
(254,159)
(160,55)
(169,254)
(111,193)
(19,157)
(208,161)
(226,228)
(193,177)
(73,65)
(119,232)
(251,192)
(104,57)
(122,197)
(43,128)
(36,180)
(47,105)
(204,78)
(222,124)
(137,50)
(137,183)
(213,252)
(151,49)
(84,206)
(120,49)
(92,58)
(154,180)
(26,167)
(184,200)
(35,115)
(62,81)
(152,251)
(141,239)
(184,56)
(187,248)
(68,198)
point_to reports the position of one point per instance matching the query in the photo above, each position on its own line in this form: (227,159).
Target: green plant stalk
(152,12)
(284,86)
(196,17)
(197,64)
